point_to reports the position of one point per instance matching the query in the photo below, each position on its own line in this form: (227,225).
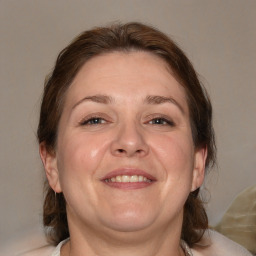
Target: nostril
(129,151)
(123,151)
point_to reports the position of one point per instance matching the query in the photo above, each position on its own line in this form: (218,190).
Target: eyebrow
(150,99)
(156,100)
(99,98)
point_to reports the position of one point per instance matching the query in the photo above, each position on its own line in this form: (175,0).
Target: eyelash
(163,121)
(87,121)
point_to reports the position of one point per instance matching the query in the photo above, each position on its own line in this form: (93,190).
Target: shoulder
(215,244)
(43,251)
(48,250)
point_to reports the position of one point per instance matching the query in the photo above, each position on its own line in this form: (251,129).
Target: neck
(160,241)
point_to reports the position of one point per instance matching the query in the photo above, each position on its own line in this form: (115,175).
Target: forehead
(129,74)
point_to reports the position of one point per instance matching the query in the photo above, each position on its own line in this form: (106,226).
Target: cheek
(174,156)
(175,153)
(80,155)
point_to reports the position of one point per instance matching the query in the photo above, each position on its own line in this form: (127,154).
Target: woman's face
(125,158)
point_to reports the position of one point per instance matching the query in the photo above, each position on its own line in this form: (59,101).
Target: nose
(129,141)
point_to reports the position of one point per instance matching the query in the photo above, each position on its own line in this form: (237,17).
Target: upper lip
(128,171)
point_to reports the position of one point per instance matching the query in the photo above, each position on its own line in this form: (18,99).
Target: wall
(219,37)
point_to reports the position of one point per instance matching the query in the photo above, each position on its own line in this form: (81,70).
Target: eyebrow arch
(99,98)
(155,100)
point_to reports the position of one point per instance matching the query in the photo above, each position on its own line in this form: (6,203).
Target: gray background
(219,37)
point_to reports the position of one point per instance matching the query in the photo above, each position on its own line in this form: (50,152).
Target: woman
(125,137)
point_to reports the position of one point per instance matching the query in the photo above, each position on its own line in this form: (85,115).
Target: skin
(125,132)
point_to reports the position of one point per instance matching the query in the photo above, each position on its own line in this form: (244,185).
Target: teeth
(134,178)
(127,178)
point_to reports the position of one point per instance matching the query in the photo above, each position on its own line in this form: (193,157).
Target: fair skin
(125,158)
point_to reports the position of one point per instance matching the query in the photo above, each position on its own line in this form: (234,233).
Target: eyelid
(168,119)
(87,118)
(87,121)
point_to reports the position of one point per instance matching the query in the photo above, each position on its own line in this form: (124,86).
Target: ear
(199,168)
(50,165)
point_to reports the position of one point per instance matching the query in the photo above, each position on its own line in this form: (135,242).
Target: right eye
(93,121)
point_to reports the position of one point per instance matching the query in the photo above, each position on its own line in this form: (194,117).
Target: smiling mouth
(128,179)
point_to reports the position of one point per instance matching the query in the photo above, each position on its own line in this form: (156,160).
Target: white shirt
(218,245)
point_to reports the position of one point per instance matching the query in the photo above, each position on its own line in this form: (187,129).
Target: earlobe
(199,168)
(50,165)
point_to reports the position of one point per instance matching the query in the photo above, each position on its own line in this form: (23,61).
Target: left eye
(161,121)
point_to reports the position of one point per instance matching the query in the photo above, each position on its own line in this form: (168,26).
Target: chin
(129,221)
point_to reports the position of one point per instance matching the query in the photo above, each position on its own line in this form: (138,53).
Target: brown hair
(126,37)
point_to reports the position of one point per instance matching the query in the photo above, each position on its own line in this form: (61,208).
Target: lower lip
(128,185)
